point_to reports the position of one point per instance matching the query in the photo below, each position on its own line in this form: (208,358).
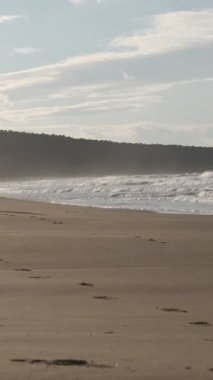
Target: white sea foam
(178,193)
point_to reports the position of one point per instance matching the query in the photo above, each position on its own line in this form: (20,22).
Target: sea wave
(178,193)
(207,174)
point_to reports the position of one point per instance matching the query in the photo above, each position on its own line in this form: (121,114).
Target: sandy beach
(90,293)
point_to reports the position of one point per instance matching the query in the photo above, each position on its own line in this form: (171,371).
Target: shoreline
(128,292)
(106,208)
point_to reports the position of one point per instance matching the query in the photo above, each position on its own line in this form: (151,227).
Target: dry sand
(152,282)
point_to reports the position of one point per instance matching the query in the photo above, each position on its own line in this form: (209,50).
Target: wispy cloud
(81,2)
(87,99)
(25,50)
(9,18)
(170,32)
(5,103)
(126,76)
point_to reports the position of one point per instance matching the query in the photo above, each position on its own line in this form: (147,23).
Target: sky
(120,70)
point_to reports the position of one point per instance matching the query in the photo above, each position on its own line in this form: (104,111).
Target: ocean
(164,193)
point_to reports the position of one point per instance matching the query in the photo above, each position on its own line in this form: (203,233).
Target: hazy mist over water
(166,193)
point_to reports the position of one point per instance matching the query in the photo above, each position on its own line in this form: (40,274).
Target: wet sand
(103,294)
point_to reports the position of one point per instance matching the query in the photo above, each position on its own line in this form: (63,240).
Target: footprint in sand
(86,284)
(172,310)
(39,277)
(200,323)
(63,362)
(22,270)
(154,240)
(105,298)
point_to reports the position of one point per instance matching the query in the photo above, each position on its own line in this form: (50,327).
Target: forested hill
(33,155)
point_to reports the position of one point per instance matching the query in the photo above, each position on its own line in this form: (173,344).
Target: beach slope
(104,294)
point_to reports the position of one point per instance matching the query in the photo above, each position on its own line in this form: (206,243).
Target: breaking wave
(178,193)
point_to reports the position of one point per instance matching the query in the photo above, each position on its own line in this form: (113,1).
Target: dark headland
(40,155)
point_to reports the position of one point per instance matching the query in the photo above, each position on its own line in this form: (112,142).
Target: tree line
(40,155)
